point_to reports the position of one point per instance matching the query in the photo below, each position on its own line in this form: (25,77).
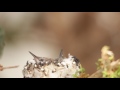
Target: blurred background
(81,34)
(21,37)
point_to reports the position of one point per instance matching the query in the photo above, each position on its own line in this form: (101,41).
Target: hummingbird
(36,58)
(76,60)
(41,60)
(58,60)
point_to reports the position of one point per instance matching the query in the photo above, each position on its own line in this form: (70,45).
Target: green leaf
(74,75)
(118,73)
(111,58)
(105,74)
(100,60)
(113,76)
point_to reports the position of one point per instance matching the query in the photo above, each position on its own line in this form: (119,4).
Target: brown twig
(97,74)
(10,67)
(2,68)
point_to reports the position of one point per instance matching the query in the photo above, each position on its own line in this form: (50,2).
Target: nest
(43,67)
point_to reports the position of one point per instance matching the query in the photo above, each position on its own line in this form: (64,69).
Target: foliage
(1,41)
(107,66)
(104,63)
(80,73)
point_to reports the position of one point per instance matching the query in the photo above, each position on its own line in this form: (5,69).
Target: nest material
(42,67)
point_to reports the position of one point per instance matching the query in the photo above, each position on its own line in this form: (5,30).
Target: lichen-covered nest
(43,67)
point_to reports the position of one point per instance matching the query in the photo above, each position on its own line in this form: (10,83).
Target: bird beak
(61,53)
(35,57)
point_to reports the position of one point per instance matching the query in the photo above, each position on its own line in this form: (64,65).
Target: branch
(97,74)
(2,68)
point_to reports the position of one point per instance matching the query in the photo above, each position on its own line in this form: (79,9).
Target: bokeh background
(21,37)
(81,34)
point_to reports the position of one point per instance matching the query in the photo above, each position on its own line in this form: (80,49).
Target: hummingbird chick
(58,60)
(30,65)
(76,60)
(29,69)
(36,58)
